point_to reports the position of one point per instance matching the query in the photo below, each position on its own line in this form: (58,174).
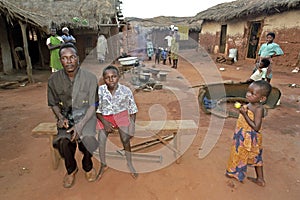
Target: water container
(233,54)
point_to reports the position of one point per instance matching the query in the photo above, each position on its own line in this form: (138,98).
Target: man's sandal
(69,179)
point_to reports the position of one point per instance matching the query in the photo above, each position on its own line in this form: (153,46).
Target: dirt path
(26,172)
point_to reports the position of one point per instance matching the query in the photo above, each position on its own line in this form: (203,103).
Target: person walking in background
(175,48)
(73,96)
(102,48)
(269,50)
(164,55)
(66,36)
(168,39)
(149,48)
(117,110)
(157,54)
(246,148)
(53,43)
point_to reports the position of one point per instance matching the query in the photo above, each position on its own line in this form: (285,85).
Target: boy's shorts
(118,120)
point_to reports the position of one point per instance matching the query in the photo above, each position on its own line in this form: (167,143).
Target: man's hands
(75,131)
(63,123)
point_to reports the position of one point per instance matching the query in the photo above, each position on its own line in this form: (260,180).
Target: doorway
(255,31)
(223,38)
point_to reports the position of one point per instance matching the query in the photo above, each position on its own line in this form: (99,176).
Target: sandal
(69,179)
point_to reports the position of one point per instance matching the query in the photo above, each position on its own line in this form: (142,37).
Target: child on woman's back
(246,147)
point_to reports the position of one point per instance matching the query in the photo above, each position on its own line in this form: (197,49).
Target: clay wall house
(156,29)
(84,18)
(231,25)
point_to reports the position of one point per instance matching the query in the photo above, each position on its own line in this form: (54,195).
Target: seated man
(72,96)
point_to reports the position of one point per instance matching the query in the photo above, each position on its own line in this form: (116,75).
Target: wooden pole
(42,58)
(26,52)
(5,48)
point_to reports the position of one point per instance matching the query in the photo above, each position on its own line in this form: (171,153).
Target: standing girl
(246,147)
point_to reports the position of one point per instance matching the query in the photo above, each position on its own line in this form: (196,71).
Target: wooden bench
(167,125)
(49,130)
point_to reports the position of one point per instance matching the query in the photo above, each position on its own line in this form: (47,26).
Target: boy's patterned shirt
(122,100)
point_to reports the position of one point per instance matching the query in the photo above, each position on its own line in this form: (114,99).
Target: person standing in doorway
(252,47)
(53,43)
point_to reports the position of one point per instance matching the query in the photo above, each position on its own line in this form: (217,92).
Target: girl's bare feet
(232,177)
(258,181)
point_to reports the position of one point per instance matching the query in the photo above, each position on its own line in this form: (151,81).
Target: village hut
(85,19)
(10,17)
(230,26)
(156,29)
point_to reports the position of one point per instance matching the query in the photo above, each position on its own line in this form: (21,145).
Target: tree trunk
(26,52)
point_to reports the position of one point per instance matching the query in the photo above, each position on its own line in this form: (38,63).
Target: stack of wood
(222,59)
(150,86)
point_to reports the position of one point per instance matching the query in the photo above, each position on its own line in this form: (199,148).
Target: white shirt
(257,75)
(169,39)
(112,104)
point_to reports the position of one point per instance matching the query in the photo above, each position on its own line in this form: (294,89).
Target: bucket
(233,54)
(163,76)
(144,77)
(154,74)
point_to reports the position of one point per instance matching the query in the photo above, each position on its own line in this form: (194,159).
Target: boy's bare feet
(102,169)
(258,181)
(133,173)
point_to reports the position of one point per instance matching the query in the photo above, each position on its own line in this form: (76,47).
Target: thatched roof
(163,22)
(246,8)
(75,14)
(11,13)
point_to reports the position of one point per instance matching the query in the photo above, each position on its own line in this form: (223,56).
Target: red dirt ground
(26,171)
